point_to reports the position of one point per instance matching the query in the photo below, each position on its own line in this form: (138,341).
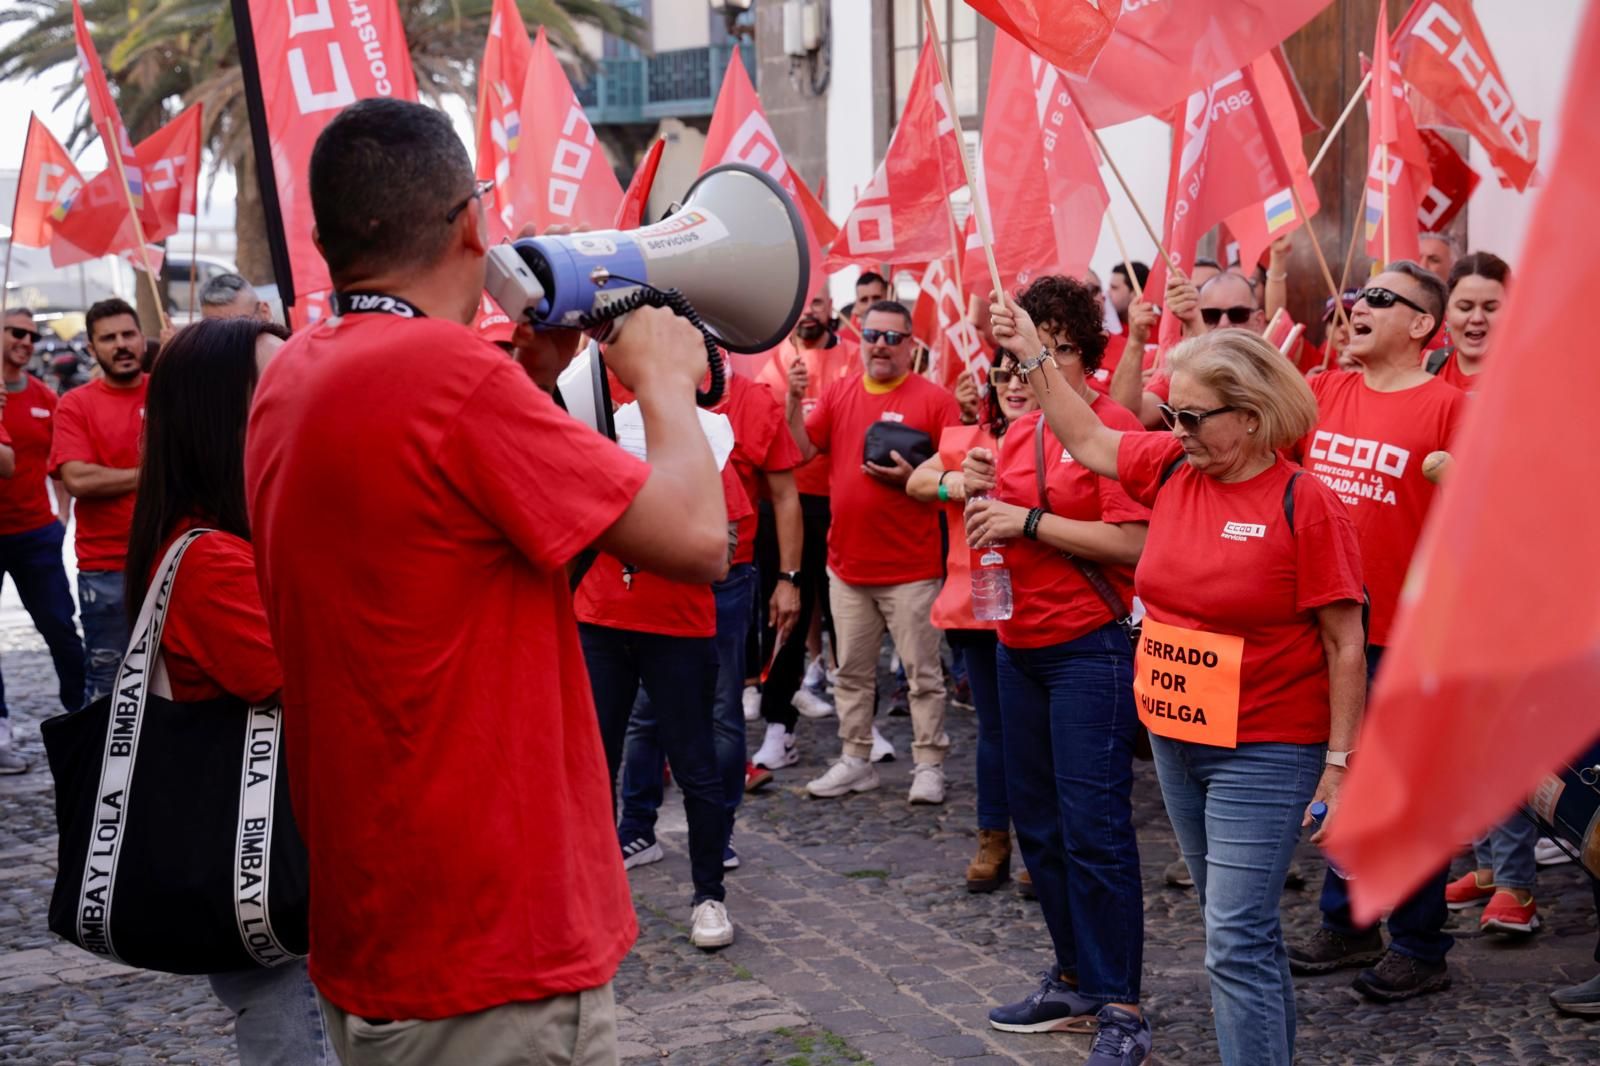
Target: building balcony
(679,84)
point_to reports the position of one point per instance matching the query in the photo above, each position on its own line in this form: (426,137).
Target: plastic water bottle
(1319,814)
(991,585)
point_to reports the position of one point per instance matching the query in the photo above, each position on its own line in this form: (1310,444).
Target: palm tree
(163,55)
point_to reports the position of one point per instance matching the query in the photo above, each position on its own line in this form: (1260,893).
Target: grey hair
(1447,239)
(224,289)
(1434,295)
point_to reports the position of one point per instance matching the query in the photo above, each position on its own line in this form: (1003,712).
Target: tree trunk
(250,223)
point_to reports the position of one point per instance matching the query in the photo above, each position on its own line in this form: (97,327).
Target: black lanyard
(357,302)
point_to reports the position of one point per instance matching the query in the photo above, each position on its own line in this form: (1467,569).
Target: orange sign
(1187,683)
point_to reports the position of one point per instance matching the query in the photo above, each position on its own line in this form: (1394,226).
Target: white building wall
(851,159)
(680,24)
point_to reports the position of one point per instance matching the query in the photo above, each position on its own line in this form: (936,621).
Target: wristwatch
(791,576)
(1341,759)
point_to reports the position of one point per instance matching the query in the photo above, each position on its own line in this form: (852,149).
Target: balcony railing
(679,84)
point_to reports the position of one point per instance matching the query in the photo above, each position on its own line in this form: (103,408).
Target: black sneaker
(1053,1007)
(641,851)
(1398,977)
(1582,1000)
(1326,951)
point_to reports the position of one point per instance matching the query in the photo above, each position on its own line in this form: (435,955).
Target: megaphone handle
(679,304)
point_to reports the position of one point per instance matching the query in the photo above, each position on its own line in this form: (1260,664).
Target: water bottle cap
(1319,810)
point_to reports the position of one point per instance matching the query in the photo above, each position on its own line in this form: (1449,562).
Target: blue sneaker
(1123,1040)
(730,858)
(1054,1007)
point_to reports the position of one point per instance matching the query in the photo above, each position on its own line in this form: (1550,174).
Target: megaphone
(732,259)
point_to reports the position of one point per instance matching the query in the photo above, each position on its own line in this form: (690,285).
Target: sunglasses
(1191,421)
(1238,316)
(891,337)
(1000,377)
(1378,298)
(479,190)
(18,333)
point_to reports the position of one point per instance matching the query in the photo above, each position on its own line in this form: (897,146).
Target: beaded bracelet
(1030,525)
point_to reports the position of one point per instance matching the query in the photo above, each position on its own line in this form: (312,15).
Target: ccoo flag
(506,55)
(1491,679)
(1068,34)
(1258,225)
(1393,140)
(559,172)
(103,112)
(47,185)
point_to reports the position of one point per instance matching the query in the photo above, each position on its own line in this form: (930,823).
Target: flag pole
(1127,263)
(1126,191)
(1344,276)
(979,211)
(955,245)
(114,150)
(1344,116)
(1322,262)
(194,256)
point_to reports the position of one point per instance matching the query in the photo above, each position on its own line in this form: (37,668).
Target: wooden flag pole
(985,234)
(1344,116)
(955,245)
(114,151)
(1322,262)
(1116,172)
(194,256)
(1344,276)
(1127,263)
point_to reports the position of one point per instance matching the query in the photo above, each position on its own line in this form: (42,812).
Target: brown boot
(1025,885)
(991,867)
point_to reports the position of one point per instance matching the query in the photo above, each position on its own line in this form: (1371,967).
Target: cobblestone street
(856,942)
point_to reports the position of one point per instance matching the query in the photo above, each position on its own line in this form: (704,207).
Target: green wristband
(944,493)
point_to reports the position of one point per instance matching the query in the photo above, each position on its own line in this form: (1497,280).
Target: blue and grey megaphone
(735,252)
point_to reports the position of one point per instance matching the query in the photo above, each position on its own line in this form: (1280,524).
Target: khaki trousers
(572,1030)
(861,614)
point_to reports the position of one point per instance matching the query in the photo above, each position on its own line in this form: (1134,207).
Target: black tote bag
(178,848)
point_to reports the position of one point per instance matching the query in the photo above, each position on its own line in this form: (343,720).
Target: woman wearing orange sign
(1251,669)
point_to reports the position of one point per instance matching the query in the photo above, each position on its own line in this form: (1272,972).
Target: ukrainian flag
(1280,211)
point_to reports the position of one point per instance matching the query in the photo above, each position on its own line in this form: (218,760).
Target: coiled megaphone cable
(647,295)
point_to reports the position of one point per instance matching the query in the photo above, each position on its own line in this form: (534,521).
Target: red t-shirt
(878,535)
(1451,374)
(953,608)
(1116,346)
(215,640)
(649,603)
(25,495)
(105,426)
(1220,557)
(1369,447)
(824,366)
(415,500)
(762,443)
(1052,602)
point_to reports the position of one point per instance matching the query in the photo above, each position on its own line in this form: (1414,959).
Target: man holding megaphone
(415,503)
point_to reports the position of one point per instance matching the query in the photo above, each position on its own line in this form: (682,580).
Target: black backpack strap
(1438,358)
(1166,475)
(1288,498)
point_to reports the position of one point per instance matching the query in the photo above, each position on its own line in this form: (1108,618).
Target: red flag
(1445,56)
(559,175)
(1039,176)
(630,213)
(1453,182)
(822,226)
(1160,53)
(170,159)
(903,215)
(507,54)
(1393,138)
(1307,121)
(740,133)
(47,185)
(939,323)
(1067,33)
(312,66)
(1491,677)
(103,112)
(1258,225)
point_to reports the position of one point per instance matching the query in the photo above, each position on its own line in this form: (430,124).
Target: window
(958,33)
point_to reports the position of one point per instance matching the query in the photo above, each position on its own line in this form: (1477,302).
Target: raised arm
(795,410)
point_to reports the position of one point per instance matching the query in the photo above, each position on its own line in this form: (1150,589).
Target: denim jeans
(679,675)
(105,629)
(277,1021)
(975,651)
(1416,926)
(1237,814)
(1507,849)
(1069,725)
(641,754)
(33,560)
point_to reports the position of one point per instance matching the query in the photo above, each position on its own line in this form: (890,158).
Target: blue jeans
(1237,814)
(1069,730)
(1416,926)
(105,629)
(678,674)
(641,755)
(276,1018)
(975,653)
(1507,849)
(33,559)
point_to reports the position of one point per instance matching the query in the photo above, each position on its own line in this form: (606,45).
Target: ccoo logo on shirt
(1243,531)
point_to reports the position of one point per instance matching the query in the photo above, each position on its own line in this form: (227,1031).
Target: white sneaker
(882,750)
(777,749)
(810,704)
(641,852)
(752,703)
(849,774)
(1548,853)
(814,674)
(711,926)
(927,783)
(10,761)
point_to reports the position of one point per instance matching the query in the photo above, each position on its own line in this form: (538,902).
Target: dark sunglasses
(18,333)
(1189,420)
(1001,376)
(1238,316)
(480,190)
(891,337)
(1378,298)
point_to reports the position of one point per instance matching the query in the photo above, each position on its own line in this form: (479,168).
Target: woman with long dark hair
(215,640)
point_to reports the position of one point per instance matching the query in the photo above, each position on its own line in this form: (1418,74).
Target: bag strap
(1091,571)
(1438,358)
(121,748)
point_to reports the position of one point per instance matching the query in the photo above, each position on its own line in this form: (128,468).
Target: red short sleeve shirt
(30,418)
(1451,374)
(1052,601)
(1220,557)
(878,535)
(1368,446)
(415,500)
(98,424)
(215,640)
(953,607)
(824,366)
(762,444)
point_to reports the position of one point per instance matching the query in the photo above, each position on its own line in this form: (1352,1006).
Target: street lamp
(732,12)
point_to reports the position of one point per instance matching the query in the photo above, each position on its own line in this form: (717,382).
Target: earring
(1252,429)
